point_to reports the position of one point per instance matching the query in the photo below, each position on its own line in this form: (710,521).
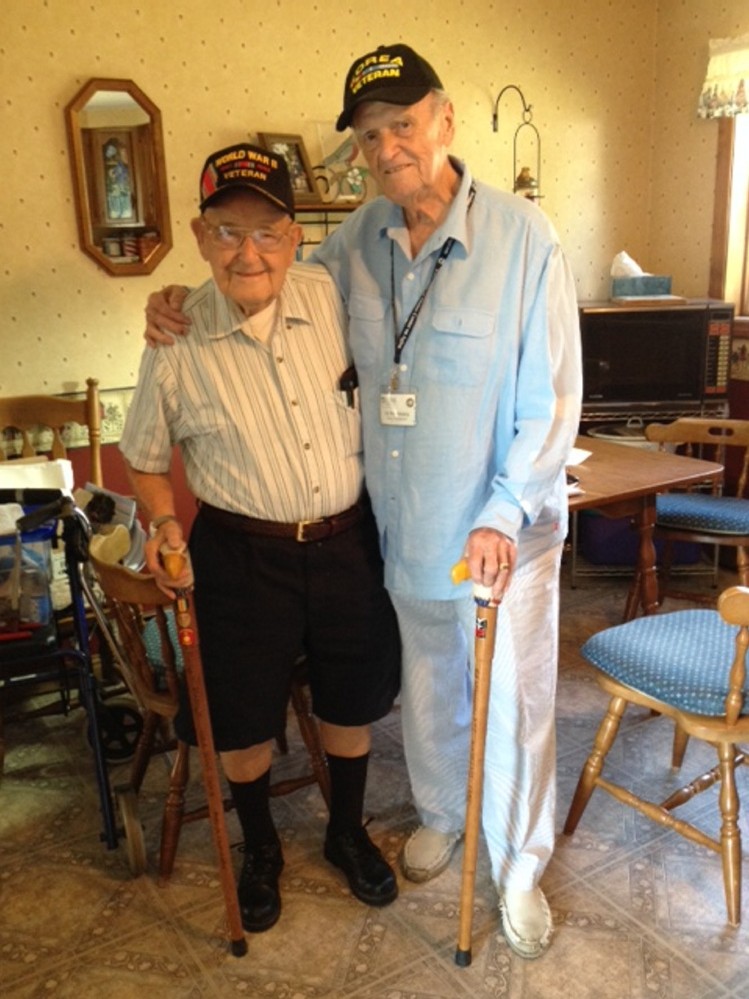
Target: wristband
(158,522)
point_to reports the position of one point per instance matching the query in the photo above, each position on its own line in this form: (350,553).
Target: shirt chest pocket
(458,348)
(346,421)
(368,336)
(201,417)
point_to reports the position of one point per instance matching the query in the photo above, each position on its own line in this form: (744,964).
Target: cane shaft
(486,630)
(187,630)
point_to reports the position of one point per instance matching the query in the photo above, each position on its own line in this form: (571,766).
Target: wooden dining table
(619,480)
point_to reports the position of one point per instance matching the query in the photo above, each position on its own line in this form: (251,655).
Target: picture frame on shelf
(291,148)
(342,173)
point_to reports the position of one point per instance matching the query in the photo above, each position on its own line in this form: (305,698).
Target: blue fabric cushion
(701,512)
(682,658)
(152,642)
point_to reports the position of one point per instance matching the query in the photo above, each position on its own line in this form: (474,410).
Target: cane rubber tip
(239,947)
(462,958)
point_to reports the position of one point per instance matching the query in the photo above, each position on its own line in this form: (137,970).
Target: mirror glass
(119,176)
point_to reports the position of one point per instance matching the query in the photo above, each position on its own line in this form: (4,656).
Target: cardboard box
(614,541)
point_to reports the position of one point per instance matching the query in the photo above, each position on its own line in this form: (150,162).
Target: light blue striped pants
(520,763)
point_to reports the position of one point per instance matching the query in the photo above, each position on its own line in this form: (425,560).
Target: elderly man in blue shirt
(464,331)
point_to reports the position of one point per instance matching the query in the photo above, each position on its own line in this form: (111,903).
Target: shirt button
(404,367)
(307,446)
(316,489)
(294,402)
(280,360)
(410,276)
(395,454)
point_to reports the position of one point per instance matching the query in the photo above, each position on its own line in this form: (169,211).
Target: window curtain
(724,93)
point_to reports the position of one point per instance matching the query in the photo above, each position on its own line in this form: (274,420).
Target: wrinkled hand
(491,558)
(169,541)
(164,315)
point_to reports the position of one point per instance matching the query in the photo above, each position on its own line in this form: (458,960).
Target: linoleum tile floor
(638,911)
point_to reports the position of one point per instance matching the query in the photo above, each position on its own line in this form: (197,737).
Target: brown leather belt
(303,531)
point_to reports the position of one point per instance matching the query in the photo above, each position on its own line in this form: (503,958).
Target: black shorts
(261,603)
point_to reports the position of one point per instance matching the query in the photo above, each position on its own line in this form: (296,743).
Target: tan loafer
(526,921)
(427,853)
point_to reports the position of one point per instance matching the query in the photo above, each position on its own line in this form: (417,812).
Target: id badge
(397,409)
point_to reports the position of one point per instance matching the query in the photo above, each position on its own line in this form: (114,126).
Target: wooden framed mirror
(119,176)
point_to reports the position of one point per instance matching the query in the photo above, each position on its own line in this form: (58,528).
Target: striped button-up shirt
(262,426)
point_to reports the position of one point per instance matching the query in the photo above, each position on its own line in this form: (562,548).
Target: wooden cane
(485,633)
(187,631)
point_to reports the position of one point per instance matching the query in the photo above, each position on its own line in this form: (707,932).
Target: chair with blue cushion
(699,517)
(689,665)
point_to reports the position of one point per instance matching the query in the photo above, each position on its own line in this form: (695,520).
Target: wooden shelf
(326,207)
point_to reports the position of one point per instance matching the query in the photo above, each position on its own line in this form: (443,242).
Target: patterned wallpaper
(625,164)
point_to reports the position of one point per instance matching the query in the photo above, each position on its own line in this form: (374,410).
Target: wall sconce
(525,183)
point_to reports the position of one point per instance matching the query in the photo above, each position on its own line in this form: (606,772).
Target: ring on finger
(504,566)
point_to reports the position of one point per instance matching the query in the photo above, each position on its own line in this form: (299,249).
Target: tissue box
(640,287)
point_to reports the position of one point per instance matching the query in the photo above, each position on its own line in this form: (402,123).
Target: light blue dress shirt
(494,360)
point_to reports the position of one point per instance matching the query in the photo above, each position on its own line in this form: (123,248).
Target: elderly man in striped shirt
(284,547)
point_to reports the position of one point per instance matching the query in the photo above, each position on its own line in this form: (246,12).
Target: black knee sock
(348,778)
(252,801)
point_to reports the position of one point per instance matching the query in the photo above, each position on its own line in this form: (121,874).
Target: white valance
(724,92)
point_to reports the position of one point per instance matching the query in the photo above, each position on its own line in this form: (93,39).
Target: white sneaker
(526,921)
(427,853)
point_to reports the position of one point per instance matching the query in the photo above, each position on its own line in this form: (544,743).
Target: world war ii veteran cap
(246,167)
(394,73)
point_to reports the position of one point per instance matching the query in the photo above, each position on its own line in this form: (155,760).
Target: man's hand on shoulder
(164,315)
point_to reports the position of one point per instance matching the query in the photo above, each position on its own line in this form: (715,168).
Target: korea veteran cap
(249,168)
(394,73)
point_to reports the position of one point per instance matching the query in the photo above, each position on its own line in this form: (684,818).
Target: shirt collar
(230,318)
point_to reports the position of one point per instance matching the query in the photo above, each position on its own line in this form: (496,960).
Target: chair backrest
(26,413)
(733,606)
(132,598)
(698,433)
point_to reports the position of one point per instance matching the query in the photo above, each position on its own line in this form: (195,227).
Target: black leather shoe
(369,875)
(259,898)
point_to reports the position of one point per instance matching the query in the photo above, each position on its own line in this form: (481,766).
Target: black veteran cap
(394,73)
(250,168)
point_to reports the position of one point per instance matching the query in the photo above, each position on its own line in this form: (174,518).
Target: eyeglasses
(232,237)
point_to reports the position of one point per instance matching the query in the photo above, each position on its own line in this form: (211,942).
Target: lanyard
(401,339)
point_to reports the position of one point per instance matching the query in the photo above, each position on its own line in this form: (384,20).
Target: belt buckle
(300,527)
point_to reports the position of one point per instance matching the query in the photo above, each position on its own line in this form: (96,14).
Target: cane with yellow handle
(187,632)
(484,635)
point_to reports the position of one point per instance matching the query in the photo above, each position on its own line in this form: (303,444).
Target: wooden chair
(146,651)
(689,665)
(29,413)
(699,517)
